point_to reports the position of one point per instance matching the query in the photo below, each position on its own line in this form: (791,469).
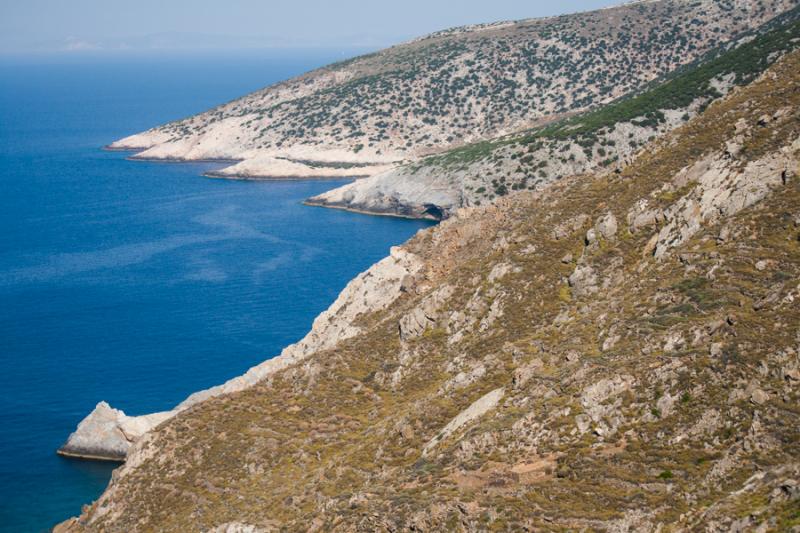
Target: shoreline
(233,161)
(288,354)
(365,212)
(90,457)
(239,177)
(109,148)
(135,157)
(107,434)
(179,160)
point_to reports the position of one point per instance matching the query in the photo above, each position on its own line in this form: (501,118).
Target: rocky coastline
(429,212)
(618,351)
(375,117)
(106,434)
(109,434)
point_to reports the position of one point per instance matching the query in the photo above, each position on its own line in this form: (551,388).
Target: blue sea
(139,283)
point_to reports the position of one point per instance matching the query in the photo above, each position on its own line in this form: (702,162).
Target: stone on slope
(479,408)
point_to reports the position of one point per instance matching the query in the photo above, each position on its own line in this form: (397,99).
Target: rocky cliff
(618,351)
(362,116)
(108,434)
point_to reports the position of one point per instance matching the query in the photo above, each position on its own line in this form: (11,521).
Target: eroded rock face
(723,188)
(606,226)
(109,434)
(642,216)
(425,315)
(397,192)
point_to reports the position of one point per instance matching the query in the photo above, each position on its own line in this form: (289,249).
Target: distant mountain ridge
(364,116)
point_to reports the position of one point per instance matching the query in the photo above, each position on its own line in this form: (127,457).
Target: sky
(141,25)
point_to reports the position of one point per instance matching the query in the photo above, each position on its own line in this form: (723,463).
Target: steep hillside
(619,351)
(605,138)
(360,116)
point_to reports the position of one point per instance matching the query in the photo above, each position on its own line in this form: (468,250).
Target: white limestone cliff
(109,434)
(399,192)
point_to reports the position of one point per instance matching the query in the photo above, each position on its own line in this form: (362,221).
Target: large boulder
(584,280)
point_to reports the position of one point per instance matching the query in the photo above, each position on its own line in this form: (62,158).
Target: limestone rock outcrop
(397,192)
(721,186)
(425,315)
(480,407)
(107,433)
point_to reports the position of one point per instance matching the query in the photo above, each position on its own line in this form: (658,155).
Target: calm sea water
(139,283)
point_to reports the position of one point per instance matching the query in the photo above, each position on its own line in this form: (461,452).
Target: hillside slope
(616,352)
(476,174)
(358,117)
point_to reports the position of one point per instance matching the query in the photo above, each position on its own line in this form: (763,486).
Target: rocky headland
(435,186)
(372,115)
(108,434)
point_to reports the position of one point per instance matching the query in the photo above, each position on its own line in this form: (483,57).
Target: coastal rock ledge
(107,433)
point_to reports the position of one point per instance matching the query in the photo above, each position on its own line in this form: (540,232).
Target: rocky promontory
(607,138)
(107,434)
(363,116)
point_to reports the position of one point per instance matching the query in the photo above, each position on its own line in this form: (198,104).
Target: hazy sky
(49,25)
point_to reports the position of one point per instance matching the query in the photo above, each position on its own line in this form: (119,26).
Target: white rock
(500,271)
(607,226)
(108,433)
(722,190)
(479,408)
(396,192)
